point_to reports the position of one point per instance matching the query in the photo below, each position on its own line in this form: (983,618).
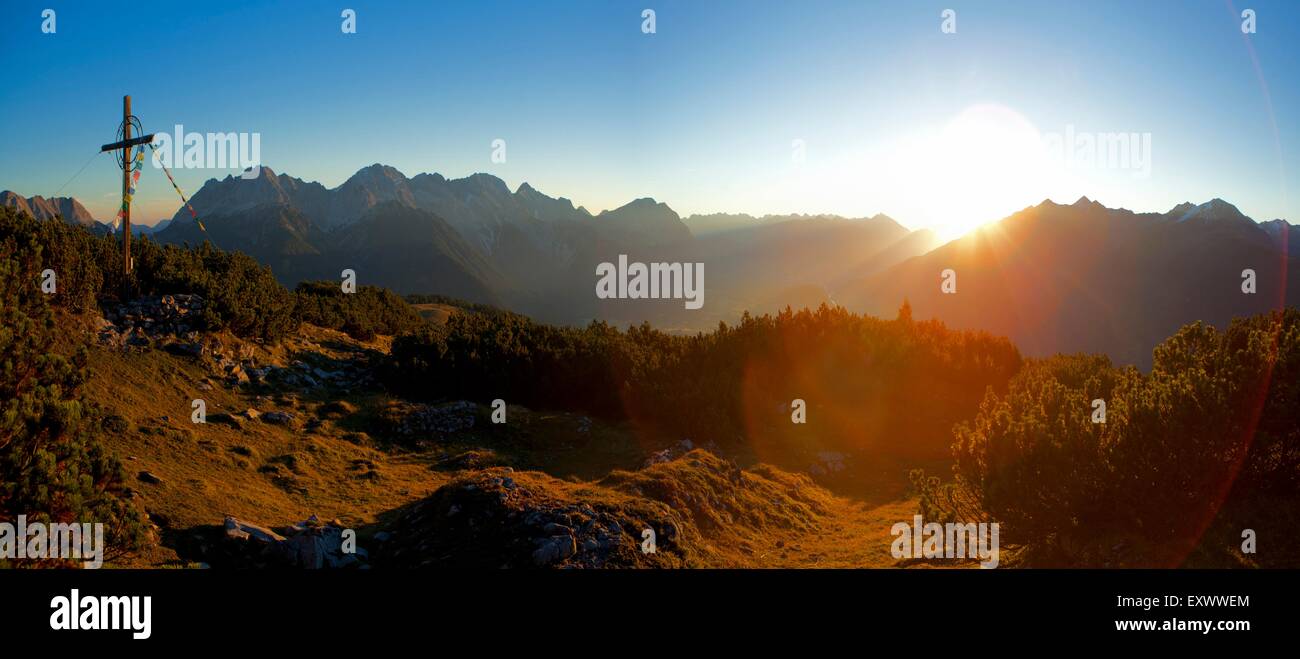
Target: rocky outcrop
(41,208)
(498,518)
(155,318)
(430,421)
(310,544)
(675,451)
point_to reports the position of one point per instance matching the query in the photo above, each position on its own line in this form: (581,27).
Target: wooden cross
(125,145)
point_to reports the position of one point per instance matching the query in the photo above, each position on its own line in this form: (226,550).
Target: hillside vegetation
(55,465)
(1190,456)
(874,389)
(353,408)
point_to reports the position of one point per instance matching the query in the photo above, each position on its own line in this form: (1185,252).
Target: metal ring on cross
(136,131)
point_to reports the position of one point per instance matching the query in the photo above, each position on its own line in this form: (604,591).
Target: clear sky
(893,115)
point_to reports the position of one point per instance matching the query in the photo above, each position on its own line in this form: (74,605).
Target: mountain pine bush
(240,294)
(892,385)
(369,311)
(1204,446)
(53,467)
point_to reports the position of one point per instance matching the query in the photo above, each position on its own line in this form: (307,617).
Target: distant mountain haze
(1086,278)
(705,224)
(41,208)
(1053,278)
(524,249)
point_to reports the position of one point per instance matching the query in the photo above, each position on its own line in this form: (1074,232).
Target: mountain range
(476,239)
(1086,278)
(1052,277)
(41,208)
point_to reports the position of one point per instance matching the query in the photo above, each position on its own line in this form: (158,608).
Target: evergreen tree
(53,468)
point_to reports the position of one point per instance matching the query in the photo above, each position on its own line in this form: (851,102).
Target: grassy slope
(263,472)
(334,463)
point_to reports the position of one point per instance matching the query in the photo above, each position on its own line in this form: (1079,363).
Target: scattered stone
(149,477)
(145,319)
(309,544)
(480,520)
(235,528)
(438,420)
(278,418)
(554,549)
(235,374)
(669,454)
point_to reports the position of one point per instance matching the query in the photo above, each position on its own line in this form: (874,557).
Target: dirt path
(856,535)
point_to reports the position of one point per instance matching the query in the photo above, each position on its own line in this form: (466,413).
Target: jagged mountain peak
(381,167)
(644,206)
(543,207)
(377,174)
(644,202)
(488,181)
(882,218)
(429,176)
(1214,210)
(645,221)
(264,174)
(43,208)
(527,191)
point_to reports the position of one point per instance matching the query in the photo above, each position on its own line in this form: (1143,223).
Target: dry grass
(331,463)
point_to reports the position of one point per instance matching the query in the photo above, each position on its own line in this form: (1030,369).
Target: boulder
(236,528)
(436,420)
(309,545)
(278,418)
(554,549)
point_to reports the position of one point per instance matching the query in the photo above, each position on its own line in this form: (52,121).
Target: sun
(982,165)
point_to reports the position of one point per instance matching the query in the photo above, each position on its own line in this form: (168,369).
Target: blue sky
(703,114)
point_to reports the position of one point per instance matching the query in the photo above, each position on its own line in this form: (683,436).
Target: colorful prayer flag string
(136,166)
(178,191)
